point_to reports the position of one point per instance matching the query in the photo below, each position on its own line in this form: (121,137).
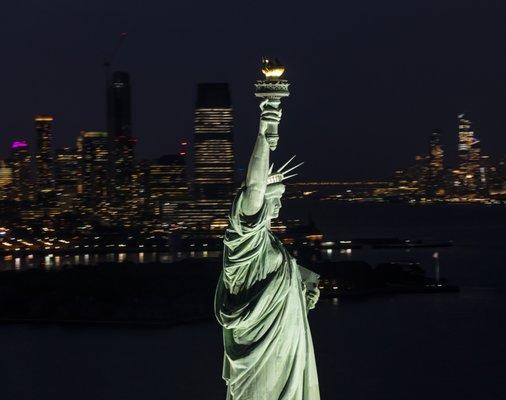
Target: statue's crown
(281,174)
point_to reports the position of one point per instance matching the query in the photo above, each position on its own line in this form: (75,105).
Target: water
(55,261)
(425,346)
(418,347)
(466,224)
(477,259)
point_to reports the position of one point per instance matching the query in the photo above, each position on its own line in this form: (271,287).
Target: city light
(19,144)
(96,195)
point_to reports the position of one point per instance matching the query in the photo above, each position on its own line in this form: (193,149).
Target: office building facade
(22,174)
(44,154)
(93,148)
(122,148)
(213,158)
(469,158)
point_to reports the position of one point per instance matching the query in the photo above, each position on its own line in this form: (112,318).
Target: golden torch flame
(272,68)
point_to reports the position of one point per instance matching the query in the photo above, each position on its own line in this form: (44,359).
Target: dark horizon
(369,82)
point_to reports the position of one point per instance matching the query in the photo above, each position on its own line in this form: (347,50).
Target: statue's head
(275,188)
(273,194)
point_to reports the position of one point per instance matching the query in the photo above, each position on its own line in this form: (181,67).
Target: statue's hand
(271,112)
(270,104)
(269,121)
(312,296)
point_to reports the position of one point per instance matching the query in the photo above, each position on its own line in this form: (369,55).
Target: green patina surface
(263,296)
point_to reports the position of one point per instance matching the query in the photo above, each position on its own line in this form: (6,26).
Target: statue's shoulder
(277,250)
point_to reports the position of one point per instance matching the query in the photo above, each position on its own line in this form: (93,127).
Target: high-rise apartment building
(5,180)
(93,148)
(167,187)
(22,175)
(435,186)
(44,153)
(5,174)
(213,180)
(68,170)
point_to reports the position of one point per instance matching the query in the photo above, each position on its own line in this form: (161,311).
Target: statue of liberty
(263,296)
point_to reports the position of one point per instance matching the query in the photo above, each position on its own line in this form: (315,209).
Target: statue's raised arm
(258,167)
(272,89)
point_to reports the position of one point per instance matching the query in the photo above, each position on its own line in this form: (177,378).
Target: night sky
(370,79)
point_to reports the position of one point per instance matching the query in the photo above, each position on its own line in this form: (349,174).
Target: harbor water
(420,346)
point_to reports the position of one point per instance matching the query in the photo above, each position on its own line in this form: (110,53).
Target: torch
(271,89)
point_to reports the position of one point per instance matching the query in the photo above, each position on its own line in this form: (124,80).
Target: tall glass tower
(213,180)
(119,106)
(122,144)
(44,153)
(436,156)
(469,156)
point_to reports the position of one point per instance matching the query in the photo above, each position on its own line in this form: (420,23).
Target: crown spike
(285,164)
(289,176)
(280,175)
(291,169)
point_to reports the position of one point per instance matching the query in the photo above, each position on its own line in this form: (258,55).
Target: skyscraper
(122,162)
(22,176)
(167,187)
(44,153)
(67,177)
(469,157)
(436,166)
(94,151)
(119,107)
(5,180)
(213,155)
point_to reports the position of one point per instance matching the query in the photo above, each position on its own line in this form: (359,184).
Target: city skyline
(124,121)
(452,152)
(357,80)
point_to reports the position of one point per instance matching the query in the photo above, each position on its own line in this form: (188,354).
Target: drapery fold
(260,302)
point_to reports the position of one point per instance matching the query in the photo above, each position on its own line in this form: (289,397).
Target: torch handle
(269,120)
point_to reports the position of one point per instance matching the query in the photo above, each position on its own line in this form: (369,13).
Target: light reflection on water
(52,261)
(375,348)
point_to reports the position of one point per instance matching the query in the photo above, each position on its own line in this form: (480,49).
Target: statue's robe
(261,304)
